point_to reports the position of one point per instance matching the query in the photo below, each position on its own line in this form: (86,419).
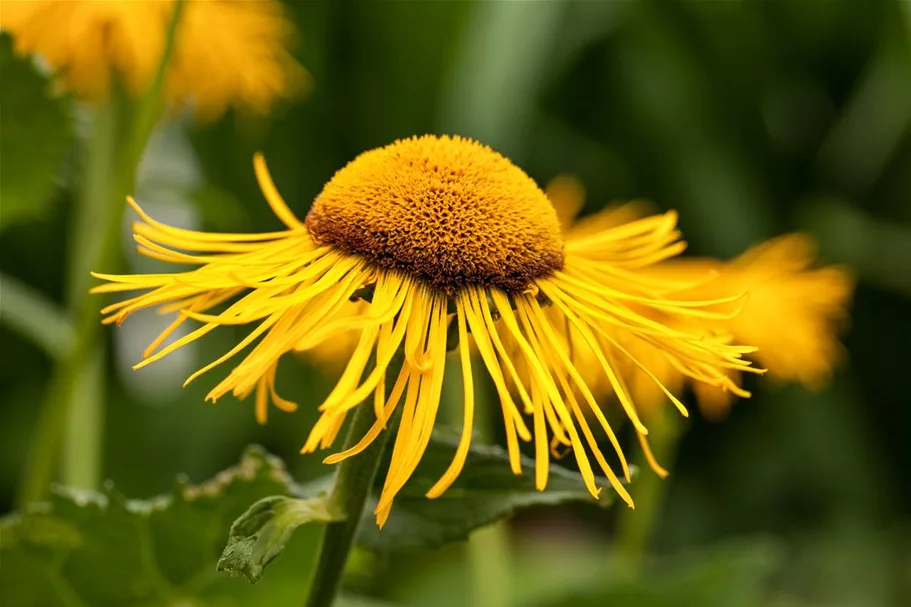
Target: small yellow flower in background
(226,53)
(791,311)
(440,231)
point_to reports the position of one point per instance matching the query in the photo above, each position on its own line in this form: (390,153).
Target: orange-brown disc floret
(447,210)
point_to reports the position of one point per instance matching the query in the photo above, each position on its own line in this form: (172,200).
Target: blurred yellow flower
(430,231)
(791,310)
(226,53)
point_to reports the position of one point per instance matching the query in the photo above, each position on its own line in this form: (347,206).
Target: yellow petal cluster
(226,53)
(792,311)
(785,304)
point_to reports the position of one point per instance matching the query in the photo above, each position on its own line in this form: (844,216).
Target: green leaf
(578,570)
(486,491)
(728,575)
(494,80)
(102,549)
(35,134)
(262,532)
(34,316)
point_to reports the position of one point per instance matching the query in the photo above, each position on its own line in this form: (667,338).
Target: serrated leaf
(262,532)
(35,134)
(102,549)
(486,491)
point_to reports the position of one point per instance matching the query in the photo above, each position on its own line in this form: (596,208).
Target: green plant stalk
(354,480)
(94,237)
(489,553)
(93,244)
(121,131)
(489,558)
(637,526)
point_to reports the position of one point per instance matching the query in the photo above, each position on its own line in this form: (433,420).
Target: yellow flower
(791,310)
(431,231)
(226,53)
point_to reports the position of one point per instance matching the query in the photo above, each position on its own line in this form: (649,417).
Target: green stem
(635,527)
(73,409)
(43,450)
(151,105)
(354,479)
(489,558)
(93,242)
(84,431)
(489,553)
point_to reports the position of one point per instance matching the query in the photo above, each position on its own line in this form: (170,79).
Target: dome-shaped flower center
(449,211)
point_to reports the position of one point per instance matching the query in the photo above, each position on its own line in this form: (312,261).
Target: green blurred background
(750,118)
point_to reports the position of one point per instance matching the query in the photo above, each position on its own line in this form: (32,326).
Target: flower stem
(73,409)
(636,527)
(489,557)
(354,479)
(93,242)
(488,548)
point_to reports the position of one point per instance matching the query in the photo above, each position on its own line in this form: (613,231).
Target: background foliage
(751,118)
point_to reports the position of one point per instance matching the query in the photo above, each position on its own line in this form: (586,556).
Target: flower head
(226,53)
(439,231)
(403,207)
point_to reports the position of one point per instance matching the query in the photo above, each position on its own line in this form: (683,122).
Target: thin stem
(93,241)
(82,441)
(489,557)
(636,527)
(489,551)
(354,479)
(73,409)
(151,105)
(44,447)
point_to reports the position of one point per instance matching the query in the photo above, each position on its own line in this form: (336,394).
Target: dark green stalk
(354,480)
